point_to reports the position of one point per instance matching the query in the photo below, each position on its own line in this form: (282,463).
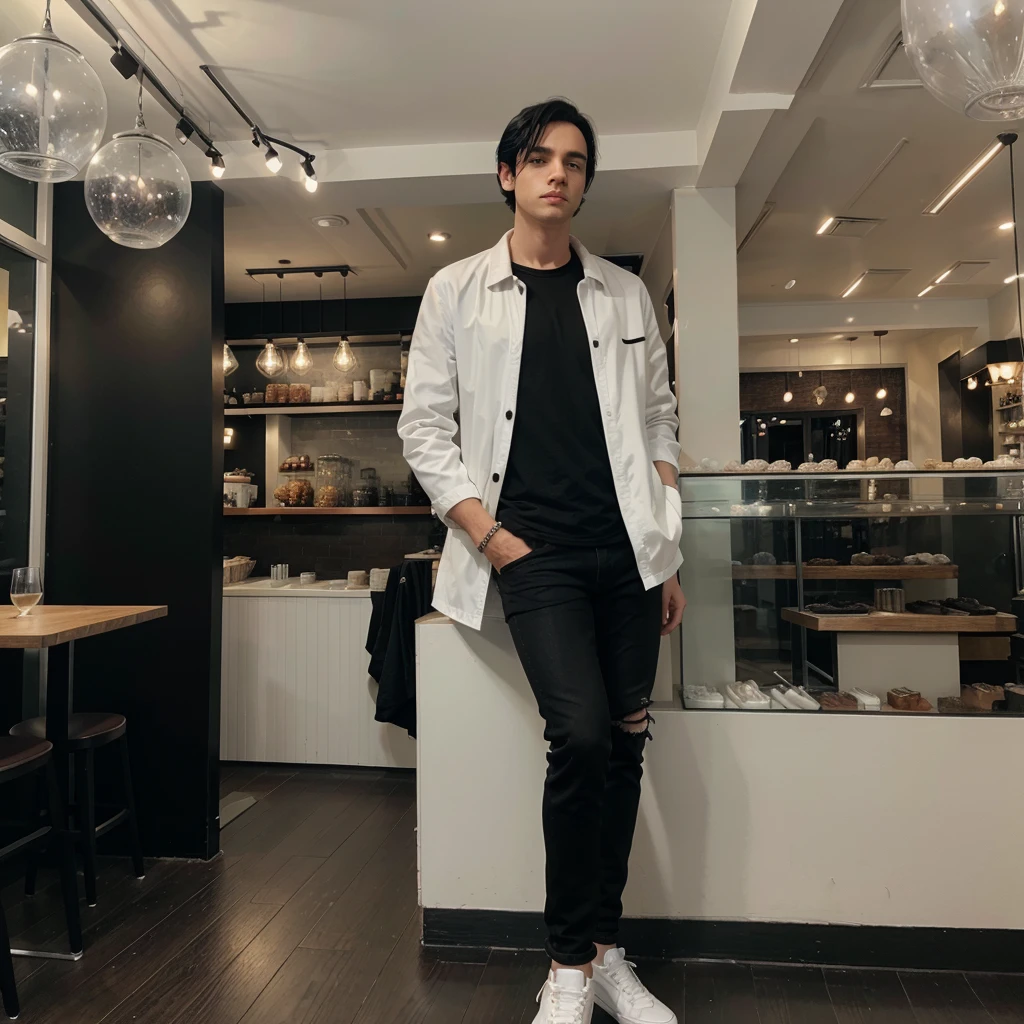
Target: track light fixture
(273,160)
(261,139)
(310,180)
(184,130)
(217,167)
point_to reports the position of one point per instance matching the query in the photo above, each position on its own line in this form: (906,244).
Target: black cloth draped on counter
(391,640)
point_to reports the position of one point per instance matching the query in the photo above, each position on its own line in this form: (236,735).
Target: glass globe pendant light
(137,189)
(969,54)
(302,360)
(270,362)
(53,110)
(230,362)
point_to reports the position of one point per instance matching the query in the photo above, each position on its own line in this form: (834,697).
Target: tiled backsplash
(329,546)
(370,438)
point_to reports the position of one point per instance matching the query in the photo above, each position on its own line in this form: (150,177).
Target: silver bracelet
(487,540)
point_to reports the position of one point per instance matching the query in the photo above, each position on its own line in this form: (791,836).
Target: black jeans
(588,636)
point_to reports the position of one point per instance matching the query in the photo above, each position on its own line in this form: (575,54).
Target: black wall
(364,316)
(950,410)
(135,496)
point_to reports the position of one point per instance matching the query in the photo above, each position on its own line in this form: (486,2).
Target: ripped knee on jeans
(637,723)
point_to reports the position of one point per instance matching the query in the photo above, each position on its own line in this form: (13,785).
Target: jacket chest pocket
(631,325)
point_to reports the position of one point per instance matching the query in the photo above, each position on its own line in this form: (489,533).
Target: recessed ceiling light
(790,284)
(1010,279)
(331,220)
(965,179)
(853,287)
(793,341)
(942,277)
(1007,226)
(439,236)
(827,224)
(922,294)
(849,319)
(284,262)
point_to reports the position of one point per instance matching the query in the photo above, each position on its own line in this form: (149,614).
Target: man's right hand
(502,548)
(505,547)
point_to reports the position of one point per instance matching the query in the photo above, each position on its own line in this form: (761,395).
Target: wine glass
(26,589)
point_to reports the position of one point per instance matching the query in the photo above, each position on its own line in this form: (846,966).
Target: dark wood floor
(310,916)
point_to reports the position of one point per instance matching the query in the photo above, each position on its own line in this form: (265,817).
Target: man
(559,485)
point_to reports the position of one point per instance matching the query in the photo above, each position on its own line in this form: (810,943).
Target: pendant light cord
(1016,246)
(344,314)
(47,25)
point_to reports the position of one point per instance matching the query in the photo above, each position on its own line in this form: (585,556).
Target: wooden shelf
(374,510)
(764,572)
(311,410)
(847,572)
(901,622)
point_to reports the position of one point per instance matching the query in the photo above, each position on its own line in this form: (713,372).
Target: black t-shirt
(558,482)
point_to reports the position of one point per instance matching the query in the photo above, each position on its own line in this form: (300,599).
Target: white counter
(294,682)
(263,586)
(774,816)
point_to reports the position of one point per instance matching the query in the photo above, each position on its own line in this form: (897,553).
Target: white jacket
(465,358)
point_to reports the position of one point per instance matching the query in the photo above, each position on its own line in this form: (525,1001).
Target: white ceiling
(267,220)
(398,72)
(815,158)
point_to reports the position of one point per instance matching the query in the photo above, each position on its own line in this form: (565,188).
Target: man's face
(550,179)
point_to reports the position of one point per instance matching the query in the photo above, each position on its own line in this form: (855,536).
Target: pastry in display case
(851,589)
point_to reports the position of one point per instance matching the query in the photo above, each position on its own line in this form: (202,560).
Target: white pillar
(707,386)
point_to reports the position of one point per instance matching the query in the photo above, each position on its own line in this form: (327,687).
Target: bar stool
(20,756)
(87,732)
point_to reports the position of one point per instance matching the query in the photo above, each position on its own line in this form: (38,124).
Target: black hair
(524,132)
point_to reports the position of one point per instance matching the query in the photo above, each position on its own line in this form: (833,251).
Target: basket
(237,569)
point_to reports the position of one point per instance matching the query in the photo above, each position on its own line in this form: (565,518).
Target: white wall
(745,816)
(1003,315)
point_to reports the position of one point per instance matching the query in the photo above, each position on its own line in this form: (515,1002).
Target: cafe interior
(252,776)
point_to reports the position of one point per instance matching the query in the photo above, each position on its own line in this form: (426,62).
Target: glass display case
(853,591)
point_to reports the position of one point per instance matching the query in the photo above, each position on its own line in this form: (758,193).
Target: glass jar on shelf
(294,490)
(333,481)
(370,482)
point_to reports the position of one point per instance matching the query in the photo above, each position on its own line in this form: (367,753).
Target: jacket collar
(499,262)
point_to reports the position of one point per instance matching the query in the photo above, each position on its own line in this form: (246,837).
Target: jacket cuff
(448,501)
(663,450)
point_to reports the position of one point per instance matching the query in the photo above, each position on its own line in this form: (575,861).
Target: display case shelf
(846,572)
(320,408)
(901,622)
(375,510)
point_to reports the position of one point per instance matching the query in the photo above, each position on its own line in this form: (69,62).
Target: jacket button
(495,478)
(508,415)
(596,343)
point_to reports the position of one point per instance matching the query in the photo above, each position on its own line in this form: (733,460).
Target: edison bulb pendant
(270,362)
(230,362)
(302,360)
(344,359)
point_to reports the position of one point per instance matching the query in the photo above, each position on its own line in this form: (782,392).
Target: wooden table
(56,628)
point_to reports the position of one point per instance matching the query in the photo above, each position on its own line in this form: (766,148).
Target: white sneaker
(620,993)
(567,997)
